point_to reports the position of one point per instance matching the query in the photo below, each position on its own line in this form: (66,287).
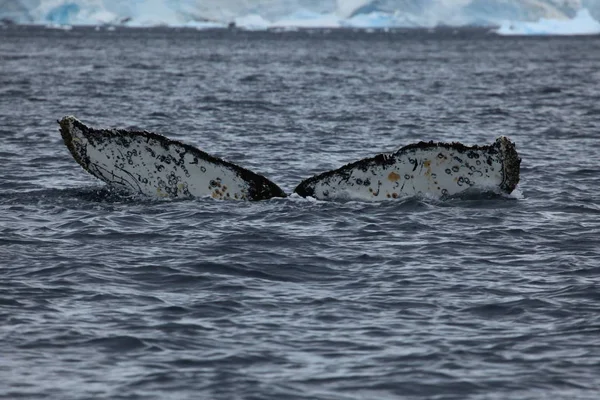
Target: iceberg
(513,16)
(60,12)
(582,24)
(308,19)
(252,22)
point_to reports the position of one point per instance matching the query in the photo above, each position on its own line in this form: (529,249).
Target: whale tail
(152,164)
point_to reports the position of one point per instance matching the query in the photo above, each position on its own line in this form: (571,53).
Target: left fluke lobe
(154,165)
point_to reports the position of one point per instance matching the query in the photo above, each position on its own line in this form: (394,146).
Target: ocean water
(108,296)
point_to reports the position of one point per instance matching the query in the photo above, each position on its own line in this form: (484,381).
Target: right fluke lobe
(421,169)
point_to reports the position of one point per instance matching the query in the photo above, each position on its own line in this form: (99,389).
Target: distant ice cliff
(513,16)
(582,24)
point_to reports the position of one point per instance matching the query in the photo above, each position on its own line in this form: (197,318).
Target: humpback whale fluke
(152,164)
(425,168)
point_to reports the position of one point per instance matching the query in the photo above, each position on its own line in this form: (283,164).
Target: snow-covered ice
(515,17)
(582,24)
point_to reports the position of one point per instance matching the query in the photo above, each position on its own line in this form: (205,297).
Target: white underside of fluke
(425,169)
(147,168)
(153,165)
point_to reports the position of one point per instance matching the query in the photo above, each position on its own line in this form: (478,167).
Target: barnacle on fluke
(152,164)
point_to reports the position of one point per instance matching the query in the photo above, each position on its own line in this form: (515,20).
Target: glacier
(510,17)
(582,24)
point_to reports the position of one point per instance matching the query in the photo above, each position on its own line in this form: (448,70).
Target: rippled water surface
(106,296)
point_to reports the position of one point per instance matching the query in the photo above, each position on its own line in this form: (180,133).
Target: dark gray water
(105,296)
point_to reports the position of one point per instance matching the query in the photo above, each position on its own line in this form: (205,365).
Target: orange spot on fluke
(394,177)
